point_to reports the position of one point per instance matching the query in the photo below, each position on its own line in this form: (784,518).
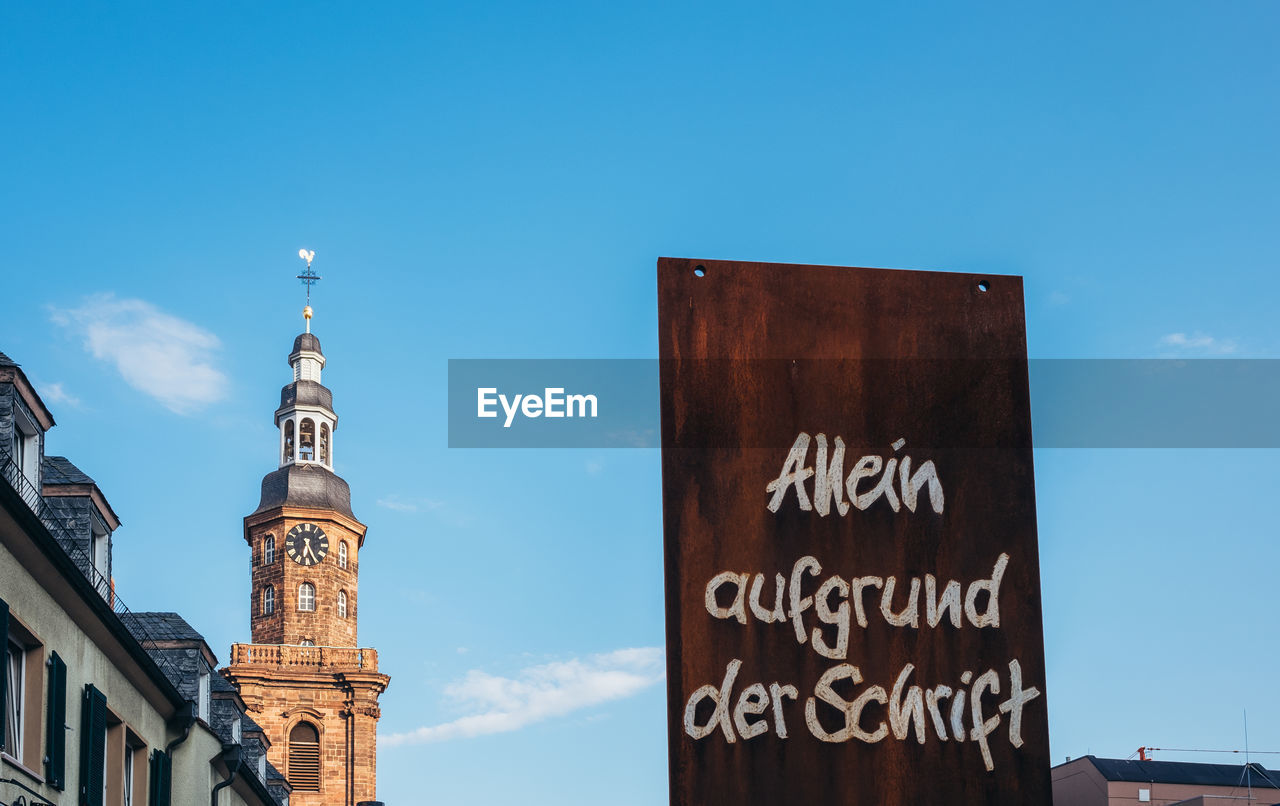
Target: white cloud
(56,393)
(398,504)
(496,704)
(156,353)
(1199,342)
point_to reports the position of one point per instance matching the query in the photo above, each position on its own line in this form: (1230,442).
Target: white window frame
(269,550)
(202,696)
(15,699)
(342,554)
(128,774)
(342,604)
(268,600)
(306,598)
(101,545)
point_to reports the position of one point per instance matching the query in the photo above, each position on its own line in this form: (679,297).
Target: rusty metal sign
(852,578)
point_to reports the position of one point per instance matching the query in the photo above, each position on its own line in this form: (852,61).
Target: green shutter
(55,760)
(93,745)
(160,779)
(4,668)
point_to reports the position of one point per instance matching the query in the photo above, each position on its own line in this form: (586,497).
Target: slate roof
(306,341)
(59,470)
(309,486)
(248,725)
(6,361)
(1184,772)
(219,685)
(167,627)
(306,393)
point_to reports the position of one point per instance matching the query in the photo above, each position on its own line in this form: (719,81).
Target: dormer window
(236,731)
(202,696)
(26,445)
(101,547)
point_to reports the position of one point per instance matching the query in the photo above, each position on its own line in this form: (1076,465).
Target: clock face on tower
(306,544)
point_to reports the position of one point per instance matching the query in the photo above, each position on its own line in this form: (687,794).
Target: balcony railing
(25,489)
(288,656)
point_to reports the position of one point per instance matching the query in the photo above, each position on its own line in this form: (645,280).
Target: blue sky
(497,180)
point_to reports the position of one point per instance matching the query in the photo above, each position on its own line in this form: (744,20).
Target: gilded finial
(308,279)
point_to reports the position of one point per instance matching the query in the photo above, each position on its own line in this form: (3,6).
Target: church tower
(304,678)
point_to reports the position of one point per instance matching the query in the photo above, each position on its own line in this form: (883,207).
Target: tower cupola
(306,358)
(306,418)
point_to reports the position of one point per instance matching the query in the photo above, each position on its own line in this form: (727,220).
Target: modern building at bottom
(1093,781)
(102,706)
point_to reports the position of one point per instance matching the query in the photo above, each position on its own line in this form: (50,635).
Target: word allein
(831,484)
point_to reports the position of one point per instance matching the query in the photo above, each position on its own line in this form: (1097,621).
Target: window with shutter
(55,761)
(304,757)
(160,779)
(93,747)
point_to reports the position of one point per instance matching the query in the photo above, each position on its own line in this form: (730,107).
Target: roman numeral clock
(306,544)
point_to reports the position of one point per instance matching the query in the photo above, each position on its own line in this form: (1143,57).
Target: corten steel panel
(753,355)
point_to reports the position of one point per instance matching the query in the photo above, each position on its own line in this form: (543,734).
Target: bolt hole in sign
(852,578)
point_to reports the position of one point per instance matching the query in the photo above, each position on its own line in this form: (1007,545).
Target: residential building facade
(97,708)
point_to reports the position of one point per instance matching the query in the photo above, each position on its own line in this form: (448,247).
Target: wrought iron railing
(30,494)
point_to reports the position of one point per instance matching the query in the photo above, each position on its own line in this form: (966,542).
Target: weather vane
(308,278)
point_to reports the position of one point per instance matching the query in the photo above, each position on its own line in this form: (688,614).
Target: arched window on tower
(288,442)
(269,550)
(307,441)
(342,554)
(304,758)
(324,444)
(307,597)
(342,604)
(268,600)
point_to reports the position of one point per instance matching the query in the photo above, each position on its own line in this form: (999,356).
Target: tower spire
(308,278)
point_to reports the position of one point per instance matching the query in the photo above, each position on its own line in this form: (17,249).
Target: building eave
(300,513)
(15,375)
(92,491)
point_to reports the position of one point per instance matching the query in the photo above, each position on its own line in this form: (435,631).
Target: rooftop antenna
(1248,768)
(308,278)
